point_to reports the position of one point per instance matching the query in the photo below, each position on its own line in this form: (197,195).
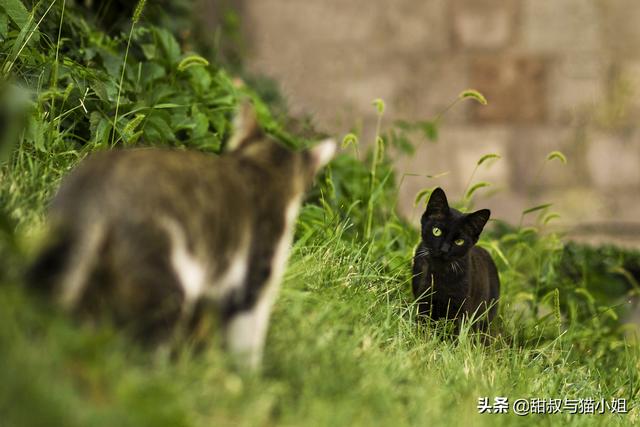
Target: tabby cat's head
(447,233)
(298,168)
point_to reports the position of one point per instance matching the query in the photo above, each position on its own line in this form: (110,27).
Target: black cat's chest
(443,287)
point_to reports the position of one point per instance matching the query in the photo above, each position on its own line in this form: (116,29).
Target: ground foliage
(344,346)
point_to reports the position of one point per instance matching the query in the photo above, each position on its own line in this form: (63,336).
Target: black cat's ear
(245,127)
(476,221)
(438,207)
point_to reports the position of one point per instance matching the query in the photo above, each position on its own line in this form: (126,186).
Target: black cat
(452,277)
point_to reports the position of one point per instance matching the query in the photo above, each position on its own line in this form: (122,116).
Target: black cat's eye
(436,231)
(459,242)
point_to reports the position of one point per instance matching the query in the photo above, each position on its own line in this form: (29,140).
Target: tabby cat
(160,238)
(452,277)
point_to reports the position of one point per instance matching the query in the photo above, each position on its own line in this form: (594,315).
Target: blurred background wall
(558,75)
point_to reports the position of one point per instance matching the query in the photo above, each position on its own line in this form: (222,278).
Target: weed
(345,347)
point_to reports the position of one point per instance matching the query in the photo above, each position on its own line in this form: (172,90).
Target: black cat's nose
(445,247)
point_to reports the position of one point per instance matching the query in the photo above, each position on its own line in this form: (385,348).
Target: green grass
(343,349)
(344,346)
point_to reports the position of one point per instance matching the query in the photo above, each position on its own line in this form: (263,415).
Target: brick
(484,24)
(417,27)
(528,148)
(620,27)
(285,24)
(551,26)
(613,161)
(624,96)
(454,155)
(429,87)
(332,58)
(514,86)
(475,142)
(576,87)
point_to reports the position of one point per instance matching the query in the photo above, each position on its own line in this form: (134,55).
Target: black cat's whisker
(423,252)
(452,266)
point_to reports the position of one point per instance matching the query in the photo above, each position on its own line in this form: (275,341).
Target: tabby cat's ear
(438,207)
(476,221)
(245,127)
(320,154)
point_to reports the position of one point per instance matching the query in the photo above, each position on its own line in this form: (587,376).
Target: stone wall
(558,75)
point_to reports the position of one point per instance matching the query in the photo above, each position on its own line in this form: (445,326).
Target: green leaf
(157,128)
(151,72)
(132,139)
(473,94)
(192,61)
(149,50)
(201,123)
(528,230)
(609,311)
(200,79)
(430,130)
(94,119)
(106,90)
(28,32)
(488,157)
(166,105)
(35,131)
(16,11)
(475,187)
(4,26)
(586,294)
(627,275)
(219,123)
(550,217)
(111,61)
(168,44)
(100,129)
(536,208)
(130,128)
(557,155)
(493,246)
(524,296)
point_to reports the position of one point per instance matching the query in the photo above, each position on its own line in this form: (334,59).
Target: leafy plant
(344,346)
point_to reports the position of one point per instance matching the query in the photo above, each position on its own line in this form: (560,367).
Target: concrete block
(449,164)
(552,26)
(483,24)
(429,86)
(576,86)
(620,27)
(332,58)
(417,27)
(530,173)
(613,160)
(514,86)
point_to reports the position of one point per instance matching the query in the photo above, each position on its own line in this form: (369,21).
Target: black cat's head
(447,233)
